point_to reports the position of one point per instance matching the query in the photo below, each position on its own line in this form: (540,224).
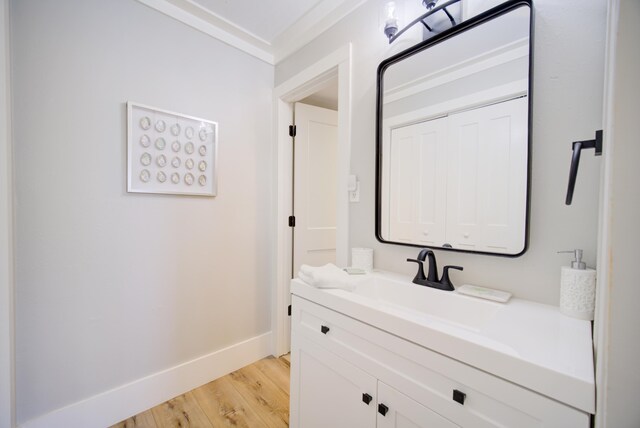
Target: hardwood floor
(253,397)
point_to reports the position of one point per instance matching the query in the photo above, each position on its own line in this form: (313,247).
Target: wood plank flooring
(253,397)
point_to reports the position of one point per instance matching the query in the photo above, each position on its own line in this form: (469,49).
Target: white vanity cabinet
(330,392)
(400,411)
(339,363)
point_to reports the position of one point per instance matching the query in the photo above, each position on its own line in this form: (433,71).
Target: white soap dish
(484,293)
(354,271)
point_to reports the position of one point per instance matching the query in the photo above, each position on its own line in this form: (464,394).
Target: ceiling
(270,30)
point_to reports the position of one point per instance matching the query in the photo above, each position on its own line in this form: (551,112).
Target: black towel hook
(575,160)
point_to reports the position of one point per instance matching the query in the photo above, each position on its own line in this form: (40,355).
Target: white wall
(619,320)
(567,106)
(6,231)
(113,286)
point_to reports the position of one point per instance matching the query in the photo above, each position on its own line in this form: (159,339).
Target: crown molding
(313,23)
(214,26)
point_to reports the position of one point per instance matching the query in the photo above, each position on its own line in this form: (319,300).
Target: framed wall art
(170,153)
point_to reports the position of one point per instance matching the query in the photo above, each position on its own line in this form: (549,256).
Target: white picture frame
(170,153)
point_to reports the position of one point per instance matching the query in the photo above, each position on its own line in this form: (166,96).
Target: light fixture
(429,4)
(391,19)
(391,23)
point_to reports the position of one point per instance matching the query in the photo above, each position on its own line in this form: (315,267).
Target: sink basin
(444,306)
(528,343)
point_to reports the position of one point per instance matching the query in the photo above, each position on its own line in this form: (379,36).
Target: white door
(487,177)
(315,186)
(417,182)
(327,391)
(401,411)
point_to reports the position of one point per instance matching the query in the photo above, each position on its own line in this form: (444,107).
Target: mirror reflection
(453,141)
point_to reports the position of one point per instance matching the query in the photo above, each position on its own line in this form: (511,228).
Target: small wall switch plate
(354,195)
(352,183)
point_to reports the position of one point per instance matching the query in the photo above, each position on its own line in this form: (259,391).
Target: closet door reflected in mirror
(453,137)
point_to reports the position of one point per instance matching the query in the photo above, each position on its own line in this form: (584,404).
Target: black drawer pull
(366,398)
(324,329)
(382,409)
(459,396)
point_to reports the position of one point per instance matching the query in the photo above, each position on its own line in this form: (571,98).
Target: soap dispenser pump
(577,263)
(577,288)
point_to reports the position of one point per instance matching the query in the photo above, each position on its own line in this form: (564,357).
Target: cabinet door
(327,391)
(403,412)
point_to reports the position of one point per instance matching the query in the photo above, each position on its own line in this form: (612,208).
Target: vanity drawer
(430,378)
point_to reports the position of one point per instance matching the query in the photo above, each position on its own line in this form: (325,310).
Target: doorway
(315,155)
(307,85)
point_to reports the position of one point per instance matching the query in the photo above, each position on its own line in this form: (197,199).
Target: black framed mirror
(453,137)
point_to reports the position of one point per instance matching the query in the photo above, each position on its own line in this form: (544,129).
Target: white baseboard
(111,407)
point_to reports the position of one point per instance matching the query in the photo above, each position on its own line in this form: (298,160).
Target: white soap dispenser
(577,288)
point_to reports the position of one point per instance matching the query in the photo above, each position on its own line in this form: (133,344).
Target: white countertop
(530,344)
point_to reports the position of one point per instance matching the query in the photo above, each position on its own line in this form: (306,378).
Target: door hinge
(289,310)
(292,130)
(292,221)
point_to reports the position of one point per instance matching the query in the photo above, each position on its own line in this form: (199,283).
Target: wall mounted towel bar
(575,160)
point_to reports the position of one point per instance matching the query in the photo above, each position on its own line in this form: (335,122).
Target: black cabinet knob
(366,398)
(324,329)
(459,396)
(382,409)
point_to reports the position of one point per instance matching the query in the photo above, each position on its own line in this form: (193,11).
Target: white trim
(7,333)
(208,15)
(318,20)
(216,27)
(456,105)
(292,88)
(344,158)
(503,55)
(472,101)
(313,23)
(601,320)
(120,403)
(337,63)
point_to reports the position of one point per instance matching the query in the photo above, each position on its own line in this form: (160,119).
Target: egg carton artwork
(170,152)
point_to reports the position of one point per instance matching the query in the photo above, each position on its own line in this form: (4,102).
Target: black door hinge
(292,130)
(289,310)
(292,221)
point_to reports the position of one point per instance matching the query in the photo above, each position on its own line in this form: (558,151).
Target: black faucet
(431,279)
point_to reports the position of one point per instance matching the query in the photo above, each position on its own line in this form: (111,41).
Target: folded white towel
(328,276)
(306,278)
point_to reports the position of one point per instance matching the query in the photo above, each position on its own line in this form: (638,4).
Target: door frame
(337,64)
(7,281)
(602,317)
